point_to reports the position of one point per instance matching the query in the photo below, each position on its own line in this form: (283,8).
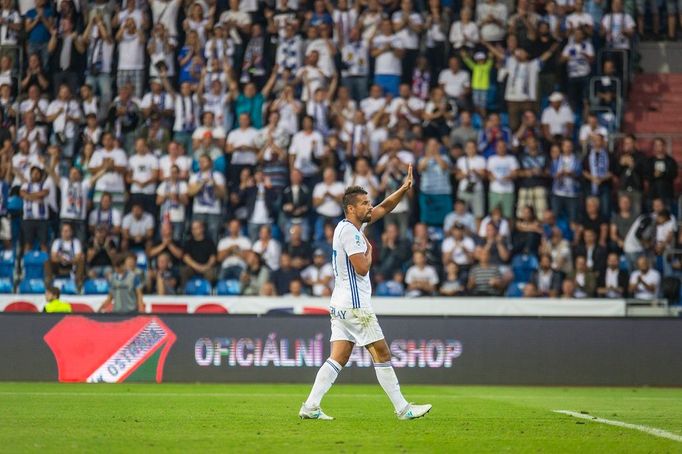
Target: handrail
(626,70)
(619,98)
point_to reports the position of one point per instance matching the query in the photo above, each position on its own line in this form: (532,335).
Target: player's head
(356,204)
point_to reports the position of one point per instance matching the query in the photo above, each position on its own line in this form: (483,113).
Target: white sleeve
(352,241)
(634,277)
(77,247)
(409,275)
(55,247)
(127,220)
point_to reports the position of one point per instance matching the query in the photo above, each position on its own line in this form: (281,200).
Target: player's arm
(362,262)
(390,202)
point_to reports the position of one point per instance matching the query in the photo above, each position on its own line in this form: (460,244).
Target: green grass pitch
(39,417)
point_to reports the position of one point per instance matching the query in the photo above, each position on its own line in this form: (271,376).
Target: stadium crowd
(214,139)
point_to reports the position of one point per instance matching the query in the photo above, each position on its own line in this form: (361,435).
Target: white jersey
(351,290)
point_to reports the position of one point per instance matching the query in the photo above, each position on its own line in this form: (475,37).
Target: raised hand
(407,184)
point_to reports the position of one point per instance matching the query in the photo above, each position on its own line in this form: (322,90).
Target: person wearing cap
(54,304)
(480,67)
(557,118)
(318,275)
(34,193)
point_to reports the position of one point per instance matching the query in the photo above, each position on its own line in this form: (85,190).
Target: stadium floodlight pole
(352,317)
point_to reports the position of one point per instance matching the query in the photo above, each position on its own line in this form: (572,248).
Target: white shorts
(359,326)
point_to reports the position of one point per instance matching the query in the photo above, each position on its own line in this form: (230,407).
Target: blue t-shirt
(185,74)
(252,106)
(40,33)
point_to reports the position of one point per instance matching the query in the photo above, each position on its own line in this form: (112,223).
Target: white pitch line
(646,429)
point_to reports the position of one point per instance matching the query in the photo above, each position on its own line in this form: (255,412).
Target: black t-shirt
(101,257)
(200,251)
(302,250)
(174,260)
(282,278)
(593,224)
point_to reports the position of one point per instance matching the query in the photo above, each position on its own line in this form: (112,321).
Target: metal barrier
(594,100)
(626,70)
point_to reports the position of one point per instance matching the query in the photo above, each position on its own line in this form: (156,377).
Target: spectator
(268,248)
(107,216)
(480,67)
(435,197)
(66,258)
(533,177)
(491,17)
(394,251)
(100,254)
(502,170)
(589,129)
(547,281)
(387,50)
(167,244)
(39,23)
(319,275)
(285,275)
(64,114)
(125,291)
(207,187)
(163,279)
(501,224)
(621,222)
(645,281)
(455,82)
(113,161)
(306,148)
(99,49)
(421,279)
(485,279)
(565,170)
(458,248)
(471,170)
(666,229)
(231,251)
(595,254)
(54,304)
(34,194)
(200,256)
(64,51)
(256,274)
(597,172)
(172,200)
(137,228)
(296,203)
(557,118)
(327,197)
(631,172)
(296,289)
(259,200)
(464,32)
(593,220)
(494,244)
(618,26)
(464,132)
(661,173)
(462,216)
(559,249)
(613,282)
(528,233)
(392,178)
(299,249)
(241,146)
(452,284)
(492,133)
(143,175)
(585,280)
(131,55)
(186,115)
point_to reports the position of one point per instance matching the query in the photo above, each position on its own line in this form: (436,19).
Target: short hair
(351,194)
(54,291)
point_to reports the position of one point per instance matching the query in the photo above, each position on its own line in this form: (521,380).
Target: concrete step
(661,57)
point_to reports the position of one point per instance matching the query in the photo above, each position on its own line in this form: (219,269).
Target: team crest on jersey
(357,240)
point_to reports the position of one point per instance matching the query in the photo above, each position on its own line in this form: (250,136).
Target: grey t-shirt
(122,288)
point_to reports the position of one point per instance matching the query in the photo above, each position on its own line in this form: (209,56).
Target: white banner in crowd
(465,306)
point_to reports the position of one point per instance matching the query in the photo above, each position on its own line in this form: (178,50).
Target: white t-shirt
(651,277)
(576,20)
(351,290)
(34,136)
(303,146)
(66,249)
(314,273)
(458,249)
(110,181)
(243,138)
(663,230)
(111,217)
(557,120)
(184,163)
(415,274)
(137,227)
(466,165)
(61,124)
(242,242)
(143,167)
(616,24)
(586,131)
(578,64)
(502,167)
(163,100)
(325,61)
(503,229)
(454,84)
(175,210)
(409,38)
(205,201)
(131,52)
(166,13)
(37,209)
(402,106)
(329,207)
(522,79)
(387,63)
(74,199)
(270,253)
(24,162)
(370,106)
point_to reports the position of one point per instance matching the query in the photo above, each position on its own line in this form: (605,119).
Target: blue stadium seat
(66,286)
(229,287)
(96,287)
(6,285)
(32,286)
(34,263)
(390,288)
(515,289)
(7,262)
(198,286)
(523,266)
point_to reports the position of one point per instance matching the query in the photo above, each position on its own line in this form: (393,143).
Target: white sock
(323,382)
(389,381)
